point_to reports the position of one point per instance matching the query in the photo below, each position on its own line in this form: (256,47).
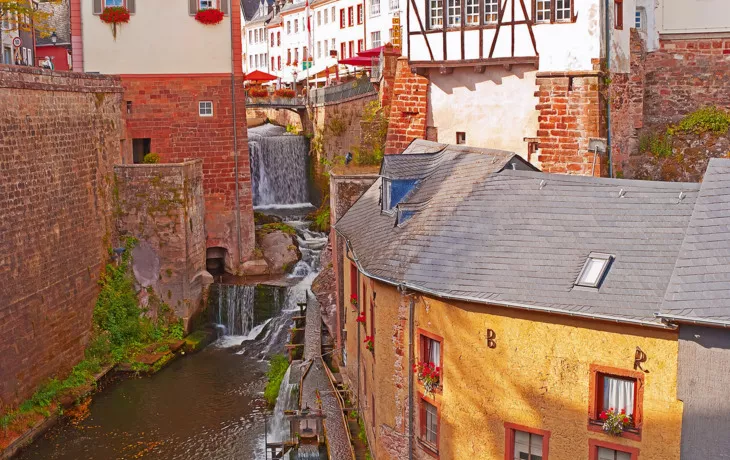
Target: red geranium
(360,318)
(115,15)
(209,16)
(429,375)
(258,92)
(369,342)
(285,93)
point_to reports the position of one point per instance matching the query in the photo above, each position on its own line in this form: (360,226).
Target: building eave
(690,320)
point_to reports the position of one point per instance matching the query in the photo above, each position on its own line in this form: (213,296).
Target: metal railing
(336,93)
(274,101)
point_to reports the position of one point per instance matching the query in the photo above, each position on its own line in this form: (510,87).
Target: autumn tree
(24,15)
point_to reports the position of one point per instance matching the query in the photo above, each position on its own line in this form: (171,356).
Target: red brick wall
(684,75)
(165,109)
(60,136)
(569,114)
(408,109)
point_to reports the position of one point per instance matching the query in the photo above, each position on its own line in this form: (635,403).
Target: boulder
(280,250)
(257,267)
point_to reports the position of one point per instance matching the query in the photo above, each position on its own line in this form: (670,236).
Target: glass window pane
(592,271)
(435,352)
(618,394)
(606,454)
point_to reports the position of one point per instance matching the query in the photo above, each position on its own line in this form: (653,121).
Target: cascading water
(235,309)
(278,167)
(278,427)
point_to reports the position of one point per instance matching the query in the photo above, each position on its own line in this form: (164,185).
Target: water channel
(208,405)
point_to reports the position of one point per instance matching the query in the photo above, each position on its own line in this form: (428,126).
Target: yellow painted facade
(538,376)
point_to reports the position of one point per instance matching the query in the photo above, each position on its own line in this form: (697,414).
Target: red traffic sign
(17,42)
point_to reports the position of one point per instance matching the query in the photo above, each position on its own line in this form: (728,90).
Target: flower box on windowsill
(115,16)
(209,16)
(630,432)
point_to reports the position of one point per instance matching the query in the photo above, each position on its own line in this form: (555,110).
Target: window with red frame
(618,14)
(429,429)
(525,443)
(360,45)
(353,280)
(350,16)
(278,39)
(342,18)
(620,390)
(601,450)
(343,50)
(617,393)
(372,317)
(278,61)
(359,14)
(272,38)
(288,57)
(351,47)
(272,64)
(430,350)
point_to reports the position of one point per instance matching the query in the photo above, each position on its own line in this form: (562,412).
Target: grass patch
(276,226)
(657,144)
(320,218)
(277,368)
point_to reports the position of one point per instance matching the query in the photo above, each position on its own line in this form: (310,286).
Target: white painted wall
(561,46)
(256,38)
(381,21)
(160,38)
(495,109)
(694,16)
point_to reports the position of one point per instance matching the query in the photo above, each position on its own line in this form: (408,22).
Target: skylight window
(594,270)
(394,190)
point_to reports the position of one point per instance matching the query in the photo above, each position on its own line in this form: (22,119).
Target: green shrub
(280,226)
(277,368)
(706,119)
(320,218)
(151,158)
(657,144)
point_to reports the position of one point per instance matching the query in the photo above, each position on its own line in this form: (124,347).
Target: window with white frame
(326,19)
(639,19)
(333,16)
(110,3)
(562,10)
(205,108)
(429,425)
(250,36)
(333,45)
(594,270)
(204,4)
(374,7)
(472,12)
(542,11)
(319,49)
(454,13)
(394,5)
(375,38)
(326,48)
(296,25)
(319,18)
(491,11)
(288,27)
(436,14)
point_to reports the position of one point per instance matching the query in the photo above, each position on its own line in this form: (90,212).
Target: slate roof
(487,233)
(250,7)
(700,286)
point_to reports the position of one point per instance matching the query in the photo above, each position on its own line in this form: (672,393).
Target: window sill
(436,391)
(427,447)
(631,433)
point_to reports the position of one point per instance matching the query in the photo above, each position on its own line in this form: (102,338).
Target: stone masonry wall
(60,137)
(408,110)
(569,109)
(165,110)
(162,206)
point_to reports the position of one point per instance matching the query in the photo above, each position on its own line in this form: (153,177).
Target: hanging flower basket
(428,374)
(209,16)
(353,297)
(361,318)
(615,422)
(115,15)
(258,92)
(369,343)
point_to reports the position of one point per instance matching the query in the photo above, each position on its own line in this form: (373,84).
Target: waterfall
(278,427)
(279,167)
(235,309)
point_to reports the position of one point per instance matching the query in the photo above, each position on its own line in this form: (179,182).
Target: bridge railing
(336,93)
(275,101)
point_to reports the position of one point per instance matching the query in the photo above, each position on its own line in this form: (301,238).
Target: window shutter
(97,6)
(224,6)
(132,6)
(192,7)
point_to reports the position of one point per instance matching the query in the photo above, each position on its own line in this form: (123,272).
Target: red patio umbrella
(375,52)
(359,61)
(258,75)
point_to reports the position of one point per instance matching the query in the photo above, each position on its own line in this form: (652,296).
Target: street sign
(17,42)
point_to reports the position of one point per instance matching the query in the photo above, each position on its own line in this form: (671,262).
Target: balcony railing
(275,101)
(336,93)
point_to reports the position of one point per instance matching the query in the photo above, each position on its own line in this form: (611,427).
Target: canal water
(205,406)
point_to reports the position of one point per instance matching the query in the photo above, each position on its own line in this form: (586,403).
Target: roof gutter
(522,306)
(688,320)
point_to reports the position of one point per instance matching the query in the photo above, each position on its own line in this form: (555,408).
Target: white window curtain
(618,394)
(435,353)
(528,446)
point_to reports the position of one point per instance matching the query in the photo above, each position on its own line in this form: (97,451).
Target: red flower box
(209,16)
(115,15)
(258,92)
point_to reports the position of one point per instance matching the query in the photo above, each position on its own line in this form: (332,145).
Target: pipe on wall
(239,257)
(608,98)
(411,362)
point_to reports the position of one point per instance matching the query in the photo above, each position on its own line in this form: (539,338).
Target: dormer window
(594,270)
(394,190)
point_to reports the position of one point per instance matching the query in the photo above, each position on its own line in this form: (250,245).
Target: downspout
(411,362)
(608,98)
(239,258)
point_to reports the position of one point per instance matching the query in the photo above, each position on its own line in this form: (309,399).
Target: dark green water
(204,406)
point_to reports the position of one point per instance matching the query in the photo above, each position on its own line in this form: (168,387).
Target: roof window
(394,190)
(594,270)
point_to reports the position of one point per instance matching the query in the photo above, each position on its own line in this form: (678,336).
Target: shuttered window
(99,5)
(195,5)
